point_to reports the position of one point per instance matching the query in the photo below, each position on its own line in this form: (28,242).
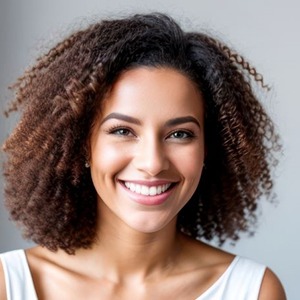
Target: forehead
(146,88)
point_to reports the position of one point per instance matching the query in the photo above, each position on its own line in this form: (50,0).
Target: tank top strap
(242,280)
(245,279)
(18,280)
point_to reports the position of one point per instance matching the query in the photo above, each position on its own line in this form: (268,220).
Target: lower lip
(149,200)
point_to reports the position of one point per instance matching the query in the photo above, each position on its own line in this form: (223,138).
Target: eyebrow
(182,120)
(121,117)
(169,123)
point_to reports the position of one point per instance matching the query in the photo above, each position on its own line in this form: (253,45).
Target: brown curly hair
(48,189)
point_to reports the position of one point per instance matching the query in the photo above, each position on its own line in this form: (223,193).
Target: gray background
(266,32)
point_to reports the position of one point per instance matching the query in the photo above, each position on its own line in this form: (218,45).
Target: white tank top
(18,280)
(241,280)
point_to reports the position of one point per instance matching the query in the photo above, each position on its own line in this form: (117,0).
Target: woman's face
(147,148)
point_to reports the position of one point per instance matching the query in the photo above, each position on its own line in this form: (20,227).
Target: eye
(121,131)
(181,134)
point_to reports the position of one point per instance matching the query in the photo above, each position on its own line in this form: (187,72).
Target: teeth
(132,187)
(153,191)
(138,189)
(146,190)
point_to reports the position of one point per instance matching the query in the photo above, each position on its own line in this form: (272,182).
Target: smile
(147,190)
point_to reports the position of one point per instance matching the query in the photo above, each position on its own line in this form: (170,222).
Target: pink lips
(150,200)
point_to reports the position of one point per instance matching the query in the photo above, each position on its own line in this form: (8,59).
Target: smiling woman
(136,141)
(150,120)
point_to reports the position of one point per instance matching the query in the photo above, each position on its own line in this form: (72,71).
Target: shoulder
(271,287)
(247,272)
(2,283)
(204,254)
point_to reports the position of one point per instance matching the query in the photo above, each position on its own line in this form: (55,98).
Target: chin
(150,225)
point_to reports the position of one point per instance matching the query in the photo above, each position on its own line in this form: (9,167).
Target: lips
(147,190)
(148,193)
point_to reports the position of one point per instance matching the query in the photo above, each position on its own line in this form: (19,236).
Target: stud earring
(87,164)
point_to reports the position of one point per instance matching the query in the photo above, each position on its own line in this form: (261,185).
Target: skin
(143,136)
(166,127)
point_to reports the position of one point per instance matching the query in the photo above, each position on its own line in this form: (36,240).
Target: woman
(136,140)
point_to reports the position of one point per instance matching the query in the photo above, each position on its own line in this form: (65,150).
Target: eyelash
(115,130)
(189,134)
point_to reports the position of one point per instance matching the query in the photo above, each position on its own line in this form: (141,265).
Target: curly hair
(49,191)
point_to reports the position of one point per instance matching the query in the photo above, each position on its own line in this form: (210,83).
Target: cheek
(103,156)
(190,163)
(106,162)
(103,166)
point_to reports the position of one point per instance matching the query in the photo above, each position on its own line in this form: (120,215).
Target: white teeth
(138,189)
(152,191)
(146,190)
(132,187)
(159,189)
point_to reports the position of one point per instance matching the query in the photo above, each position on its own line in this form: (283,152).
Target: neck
(123,252)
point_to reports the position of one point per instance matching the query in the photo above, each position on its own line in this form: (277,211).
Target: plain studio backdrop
(266,32)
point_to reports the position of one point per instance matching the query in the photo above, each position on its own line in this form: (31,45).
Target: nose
(151,156)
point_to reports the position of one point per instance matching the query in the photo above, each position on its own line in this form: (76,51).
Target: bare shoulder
(206,252)
(2,283)
(271,287)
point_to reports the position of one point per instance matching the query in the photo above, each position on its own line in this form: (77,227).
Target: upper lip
(149,183)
